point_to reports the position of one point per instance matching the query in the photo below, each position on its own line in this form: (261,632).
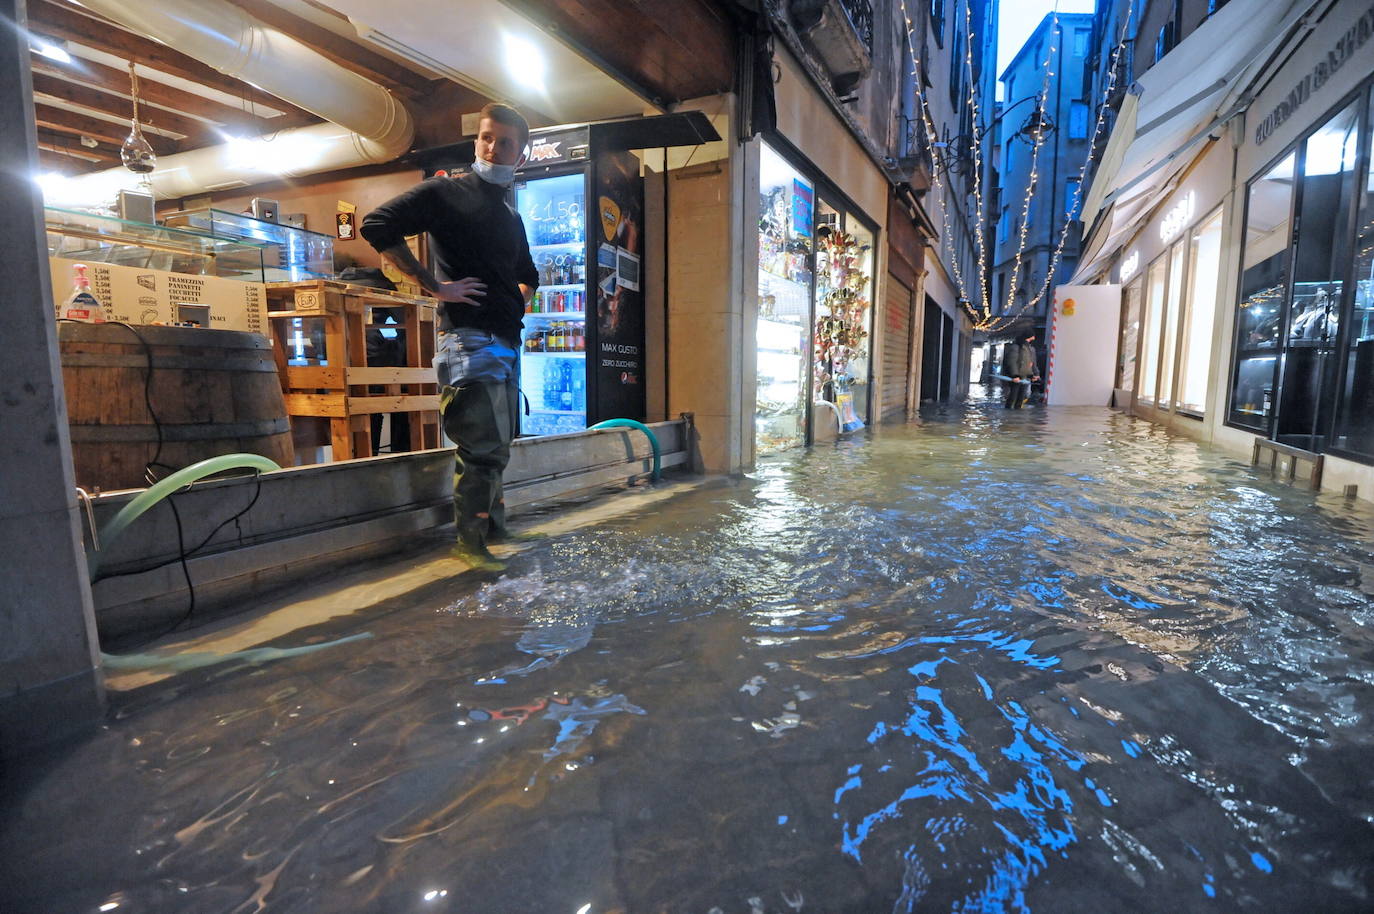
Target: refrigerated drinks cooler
(581,197)
(582,356)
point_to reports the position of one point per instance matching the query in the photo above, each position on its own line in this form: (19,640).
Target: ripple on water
(988,661)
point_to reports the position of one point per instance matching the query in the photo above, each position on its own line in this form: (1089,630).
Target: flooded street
(1041,660)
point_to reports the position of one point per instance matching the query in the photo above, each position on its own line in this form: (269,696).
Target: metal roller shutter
(896,348)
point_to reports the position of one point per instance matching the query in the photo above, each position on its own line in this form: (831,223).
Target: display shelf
(291,254)
(557,412)
(566,286)
(104,239)
(558,315)
(560,353)
(559,245)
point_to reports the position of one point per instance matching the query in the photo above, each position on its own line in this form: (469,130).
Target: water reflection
(1054,661)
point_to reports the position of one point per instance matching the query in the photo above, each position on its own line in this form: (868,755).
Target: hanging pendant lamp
(137,153)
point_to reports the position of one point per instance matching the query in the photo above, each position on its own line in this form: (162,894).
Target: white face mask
(493,173)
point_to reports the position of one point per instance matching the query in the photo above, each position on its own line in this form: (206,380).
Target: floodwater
(1044,660)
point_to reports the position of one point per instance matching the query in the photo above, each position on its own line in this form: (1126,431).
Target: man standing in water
(476,235)
(1019,364)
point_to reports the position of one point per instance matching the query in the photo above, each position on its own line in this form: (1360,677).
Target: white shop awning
(1171,111)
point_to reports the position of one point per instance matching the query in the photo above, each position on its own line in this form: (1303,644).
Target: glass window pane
(1204,262)
(786,215)
(1268,214)
(1321,255)
(1355,425)
(1177,262)
(1130,337)
(1154,325)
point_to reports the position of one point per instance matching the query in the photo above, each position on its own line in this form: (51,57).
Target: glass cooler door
(553,364)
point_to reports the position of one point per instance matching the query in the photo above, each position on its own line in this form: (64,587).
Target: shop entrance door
(931,335)
(897,319)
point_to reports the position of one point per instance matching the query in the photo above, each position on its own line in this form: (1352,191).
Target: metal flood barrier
(310,520)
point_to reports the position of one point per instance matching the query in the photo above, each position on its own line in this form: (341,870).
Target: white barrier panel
(1081,358)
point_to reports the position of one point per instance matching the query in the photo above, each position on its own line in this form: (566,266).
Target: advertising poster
(617,239)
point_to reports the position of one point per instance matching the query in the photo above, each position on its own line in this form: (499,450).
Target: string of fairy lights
(981,309)
(1092,144)
(1023,230)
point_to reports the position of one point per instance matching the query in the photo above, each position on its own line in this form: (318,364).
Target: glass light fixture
(137,153)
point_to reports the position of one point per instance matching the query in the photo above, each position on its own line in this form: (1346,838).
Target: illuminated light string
(983,318)
(1092,144)
(928,122)
(979,209)
(1039,143)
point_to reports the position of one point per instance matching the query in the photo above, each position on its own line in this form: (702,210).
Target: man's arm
(410,213)
(402,259)
(467,291)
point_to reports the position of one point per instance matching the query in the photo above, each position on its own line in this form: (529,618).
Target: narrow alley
(1053,659)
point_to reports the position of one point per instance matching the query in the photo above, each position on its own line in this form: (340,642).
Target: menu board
(137,296)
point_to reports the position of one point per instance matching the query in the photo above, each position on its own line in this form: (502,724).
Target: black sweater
(473,232)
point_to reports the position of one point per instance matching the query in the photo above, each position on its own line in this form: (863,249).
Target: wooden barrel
(212,391)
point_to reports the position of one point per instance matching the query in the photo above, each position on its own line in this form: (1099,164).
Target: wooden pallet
(340,391)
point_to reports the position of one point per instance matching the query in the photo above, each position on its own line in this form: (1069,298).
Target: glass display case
(290,254)
(1263,286)
(104,239)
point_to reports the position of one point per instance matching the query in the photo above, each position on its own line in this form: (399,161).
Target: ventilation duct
(367,124)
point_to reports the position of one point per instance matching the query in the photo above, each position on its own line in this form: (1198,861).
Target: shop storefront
(1303,355)
(815,315)
(1170,276)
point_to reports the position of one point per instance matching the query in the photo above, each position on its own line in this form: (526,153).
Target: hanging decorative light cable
(137,153)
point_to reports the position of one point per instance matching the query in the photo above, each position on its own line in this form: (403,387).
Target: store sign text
(1177,219)
(1130,265)
(542,150)
(1355,38)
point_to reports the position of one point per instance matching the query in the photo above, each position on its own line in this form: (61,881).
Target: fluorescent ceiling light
(53,50)
(525,62)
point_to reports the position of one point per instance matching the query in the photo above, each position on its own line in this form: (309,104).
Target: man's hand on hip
(467,291)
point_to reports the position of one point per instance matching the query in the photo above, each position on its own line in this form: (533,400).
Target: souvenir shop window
(844,282)
(1264,262)
(787,205)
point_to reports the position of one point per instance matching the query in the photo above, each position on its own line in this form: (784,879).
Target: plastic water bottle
(81,304)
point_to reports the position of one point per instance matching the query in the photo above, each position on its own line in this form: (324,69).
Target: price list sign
(138,296)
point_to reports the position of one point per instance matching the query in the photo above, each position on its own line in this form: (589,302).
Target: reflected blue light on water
(1054,661)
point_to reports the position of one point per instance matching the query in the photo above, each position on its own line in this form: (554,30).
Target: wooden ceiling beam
(64,164)
(64,121)
(70,146)
(58,20)
(348,54)
(109,79)
(197,133)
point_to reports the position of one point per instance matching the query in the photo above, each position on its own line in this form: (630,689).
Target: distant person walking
(1020,365)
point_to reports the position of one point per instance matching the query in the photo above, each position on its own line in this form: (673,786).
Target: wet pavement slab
(1050,659)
